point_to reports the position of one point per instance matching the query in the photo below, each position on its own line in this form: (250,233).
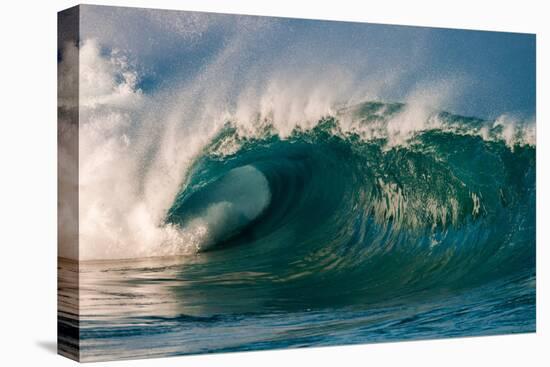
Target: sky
(484,74)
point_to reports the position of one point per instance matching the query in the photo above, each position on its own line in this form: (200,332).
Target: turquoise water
(326,236)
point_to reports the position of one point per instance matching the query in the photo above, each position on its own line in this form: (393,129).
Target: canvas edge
(68,300)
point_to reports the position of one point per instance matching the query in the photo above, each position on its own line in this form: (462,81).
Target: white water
(135,148)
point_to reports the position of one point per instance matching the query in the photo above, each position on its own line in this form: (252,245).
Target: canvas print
(236,183)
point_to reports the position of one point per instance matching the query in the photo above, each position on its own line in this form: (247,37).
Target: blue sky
(486,73)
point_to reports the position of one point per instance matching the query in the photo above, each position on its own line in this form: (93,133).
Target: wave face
(358,217)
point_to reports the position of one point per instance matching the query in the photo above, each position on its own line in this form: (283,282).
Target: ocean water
(139,310)
(357,229)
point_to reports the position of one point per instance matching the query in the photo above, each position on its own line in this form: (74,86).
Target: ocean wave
(138,156)
(449,208)
(354,181)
